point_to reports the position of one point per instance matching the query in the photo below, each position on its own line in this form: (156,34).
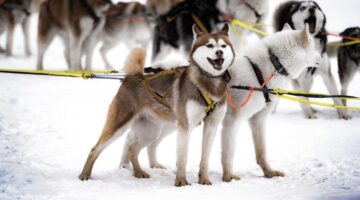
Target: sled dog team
(183,97)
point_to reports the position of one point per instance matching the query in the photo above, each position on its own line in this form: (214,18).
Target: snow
(49,124)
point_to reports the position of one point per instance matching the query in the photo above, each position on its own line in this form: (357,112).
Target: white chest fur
(195,112)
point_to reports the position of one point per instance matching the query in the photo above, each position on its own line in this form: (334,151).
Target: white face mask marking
(214,57)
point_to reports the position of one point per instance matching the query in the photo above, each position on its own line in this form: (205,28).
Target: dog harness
(279,68)
(157,74)
(210,103)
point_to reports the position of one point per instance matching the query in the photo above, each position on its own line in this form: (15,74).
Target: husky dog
(13,12)
(348,59)
(173,29)
(74,21)
(287,54)
(297,13)
(249,11)
(129,25)
(193,94)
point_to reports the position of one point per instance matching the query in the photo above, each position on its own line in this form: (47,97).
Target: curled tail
(135,61)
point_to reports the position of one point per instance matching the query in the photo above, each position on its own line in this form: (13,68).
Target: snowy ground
(49,124)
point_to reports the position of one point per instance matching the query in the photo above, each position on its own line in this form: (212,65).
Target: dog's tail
(135,61)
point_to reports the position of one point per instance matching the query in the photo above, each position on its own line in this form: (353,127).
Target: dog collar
(277,64)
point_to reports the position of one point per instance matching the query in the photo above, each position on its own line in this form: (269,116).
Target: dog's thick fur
(348,59)
(297,13)
(10,17)
(129,25)
(75,21)
(150,120)
(295,51)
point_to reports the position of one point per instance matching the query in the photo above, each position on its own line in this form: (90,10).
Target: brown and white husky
(193,94)
(74,21)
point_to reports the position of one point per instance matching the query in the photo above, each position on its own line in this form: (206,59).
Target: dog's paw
(181,181)
(344,115)
(230,177)
(141,174)
(204,180)
(84,177)
(273,173)
(311,116)
(157,166)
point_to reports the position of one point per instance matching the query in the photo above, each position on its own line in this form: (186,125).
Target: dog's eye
(302,8)
(210,46)
(223,46)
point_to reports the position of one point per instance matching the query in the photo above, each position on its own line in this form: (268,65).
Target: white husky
(287,53)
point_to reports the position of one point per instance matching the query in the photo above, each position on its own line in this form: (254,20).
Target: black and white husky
(297,13)
(348,59)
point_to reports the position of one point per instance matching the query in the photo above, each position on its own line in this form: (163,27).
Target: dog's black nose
(312,10)
(219,53)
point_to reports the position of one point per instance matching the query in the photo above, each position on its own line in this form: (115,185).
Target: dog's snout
(219,53)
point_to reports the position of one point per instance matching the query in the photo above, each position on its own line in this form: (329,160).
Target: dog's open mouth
(312,24)
(217,63)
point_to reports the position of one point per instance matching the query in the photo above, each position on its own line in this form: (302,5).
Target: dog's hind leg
(257,125)
(125,159)
(10,37)
(346,76)
(116,124)
(26,31)
(152,148)
(105,48)
(228,144)
(210,128)
(46,34)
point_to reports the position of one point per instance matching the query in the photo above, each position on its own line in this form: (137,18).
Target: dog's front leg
(210,127)
(257,125)
(330,84)
(26,32)
(183,136)
(10,37)
(228,145)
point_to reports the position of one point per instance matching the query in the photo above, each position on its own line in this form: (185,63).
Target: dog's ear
(225,29)
(305,34)
(196,31)
(286,27)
